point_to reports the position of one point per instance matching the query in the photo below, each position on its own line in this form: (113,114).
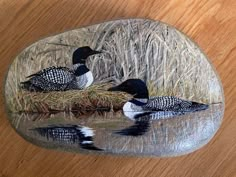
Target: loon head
(135,87)
(82,53)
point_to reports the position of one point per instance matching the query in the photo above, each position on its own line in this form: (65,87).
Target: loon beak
(116,88)
(94,52)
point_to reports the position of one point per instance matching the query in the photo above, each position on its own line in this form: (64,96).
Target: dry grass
(165,59)
(74,100)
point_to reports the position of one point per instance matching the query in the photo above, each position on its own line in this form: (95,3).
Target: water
(111,132)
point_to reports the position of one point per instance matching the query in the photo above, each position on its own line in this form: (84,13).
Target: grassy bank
(95,97)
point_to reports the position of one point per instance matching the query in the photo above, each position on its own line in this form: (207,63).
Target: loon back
(49,79)
(171,103)
(57,75)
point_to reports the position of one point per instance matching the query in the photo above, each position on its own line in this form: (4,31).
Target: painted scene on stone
(129,87)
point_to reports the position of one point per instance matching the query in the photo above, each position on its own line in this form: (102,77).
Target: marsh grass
(164,58)
(68,101)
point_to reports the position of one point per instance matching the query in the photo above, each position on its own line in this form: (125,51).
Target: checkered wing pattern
(167,103)
(57,75)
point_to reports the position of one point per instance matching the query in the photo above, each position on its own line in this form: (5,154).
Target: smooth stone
(169,63)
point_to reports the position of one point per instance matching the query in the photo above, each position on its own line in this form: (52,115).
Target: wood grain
(211,23)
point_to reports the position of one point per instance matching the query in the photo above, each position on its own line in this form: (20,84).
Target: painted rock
(130,87)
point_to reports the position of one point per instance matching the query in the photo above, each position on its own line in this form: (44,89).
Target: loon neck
(80,69)
(139,101)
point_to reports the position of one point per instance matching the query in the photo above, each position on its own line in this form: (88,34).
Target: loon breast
(90,78)
(131,110)
(84,80)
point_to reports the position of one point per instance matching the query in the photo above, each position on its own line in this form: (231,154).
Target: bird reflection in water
(69,134)
(142,122)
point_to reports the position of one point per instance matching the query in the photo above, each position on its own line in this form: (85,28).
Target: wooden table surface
(211,23)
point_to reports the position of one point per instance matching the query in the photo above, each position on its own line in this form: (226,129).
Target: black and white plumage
(62,78)
(142,108)
(69,134)
(141,104)
(171,103)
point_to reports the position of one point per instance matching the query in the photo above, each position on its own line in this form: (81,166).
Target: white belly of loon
(131,110)
(84,80)
(90,78)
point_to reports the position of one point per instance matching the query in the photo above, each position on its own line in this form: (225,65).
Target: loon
(63,78)
(69,134)
(142,110)
(157,107)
